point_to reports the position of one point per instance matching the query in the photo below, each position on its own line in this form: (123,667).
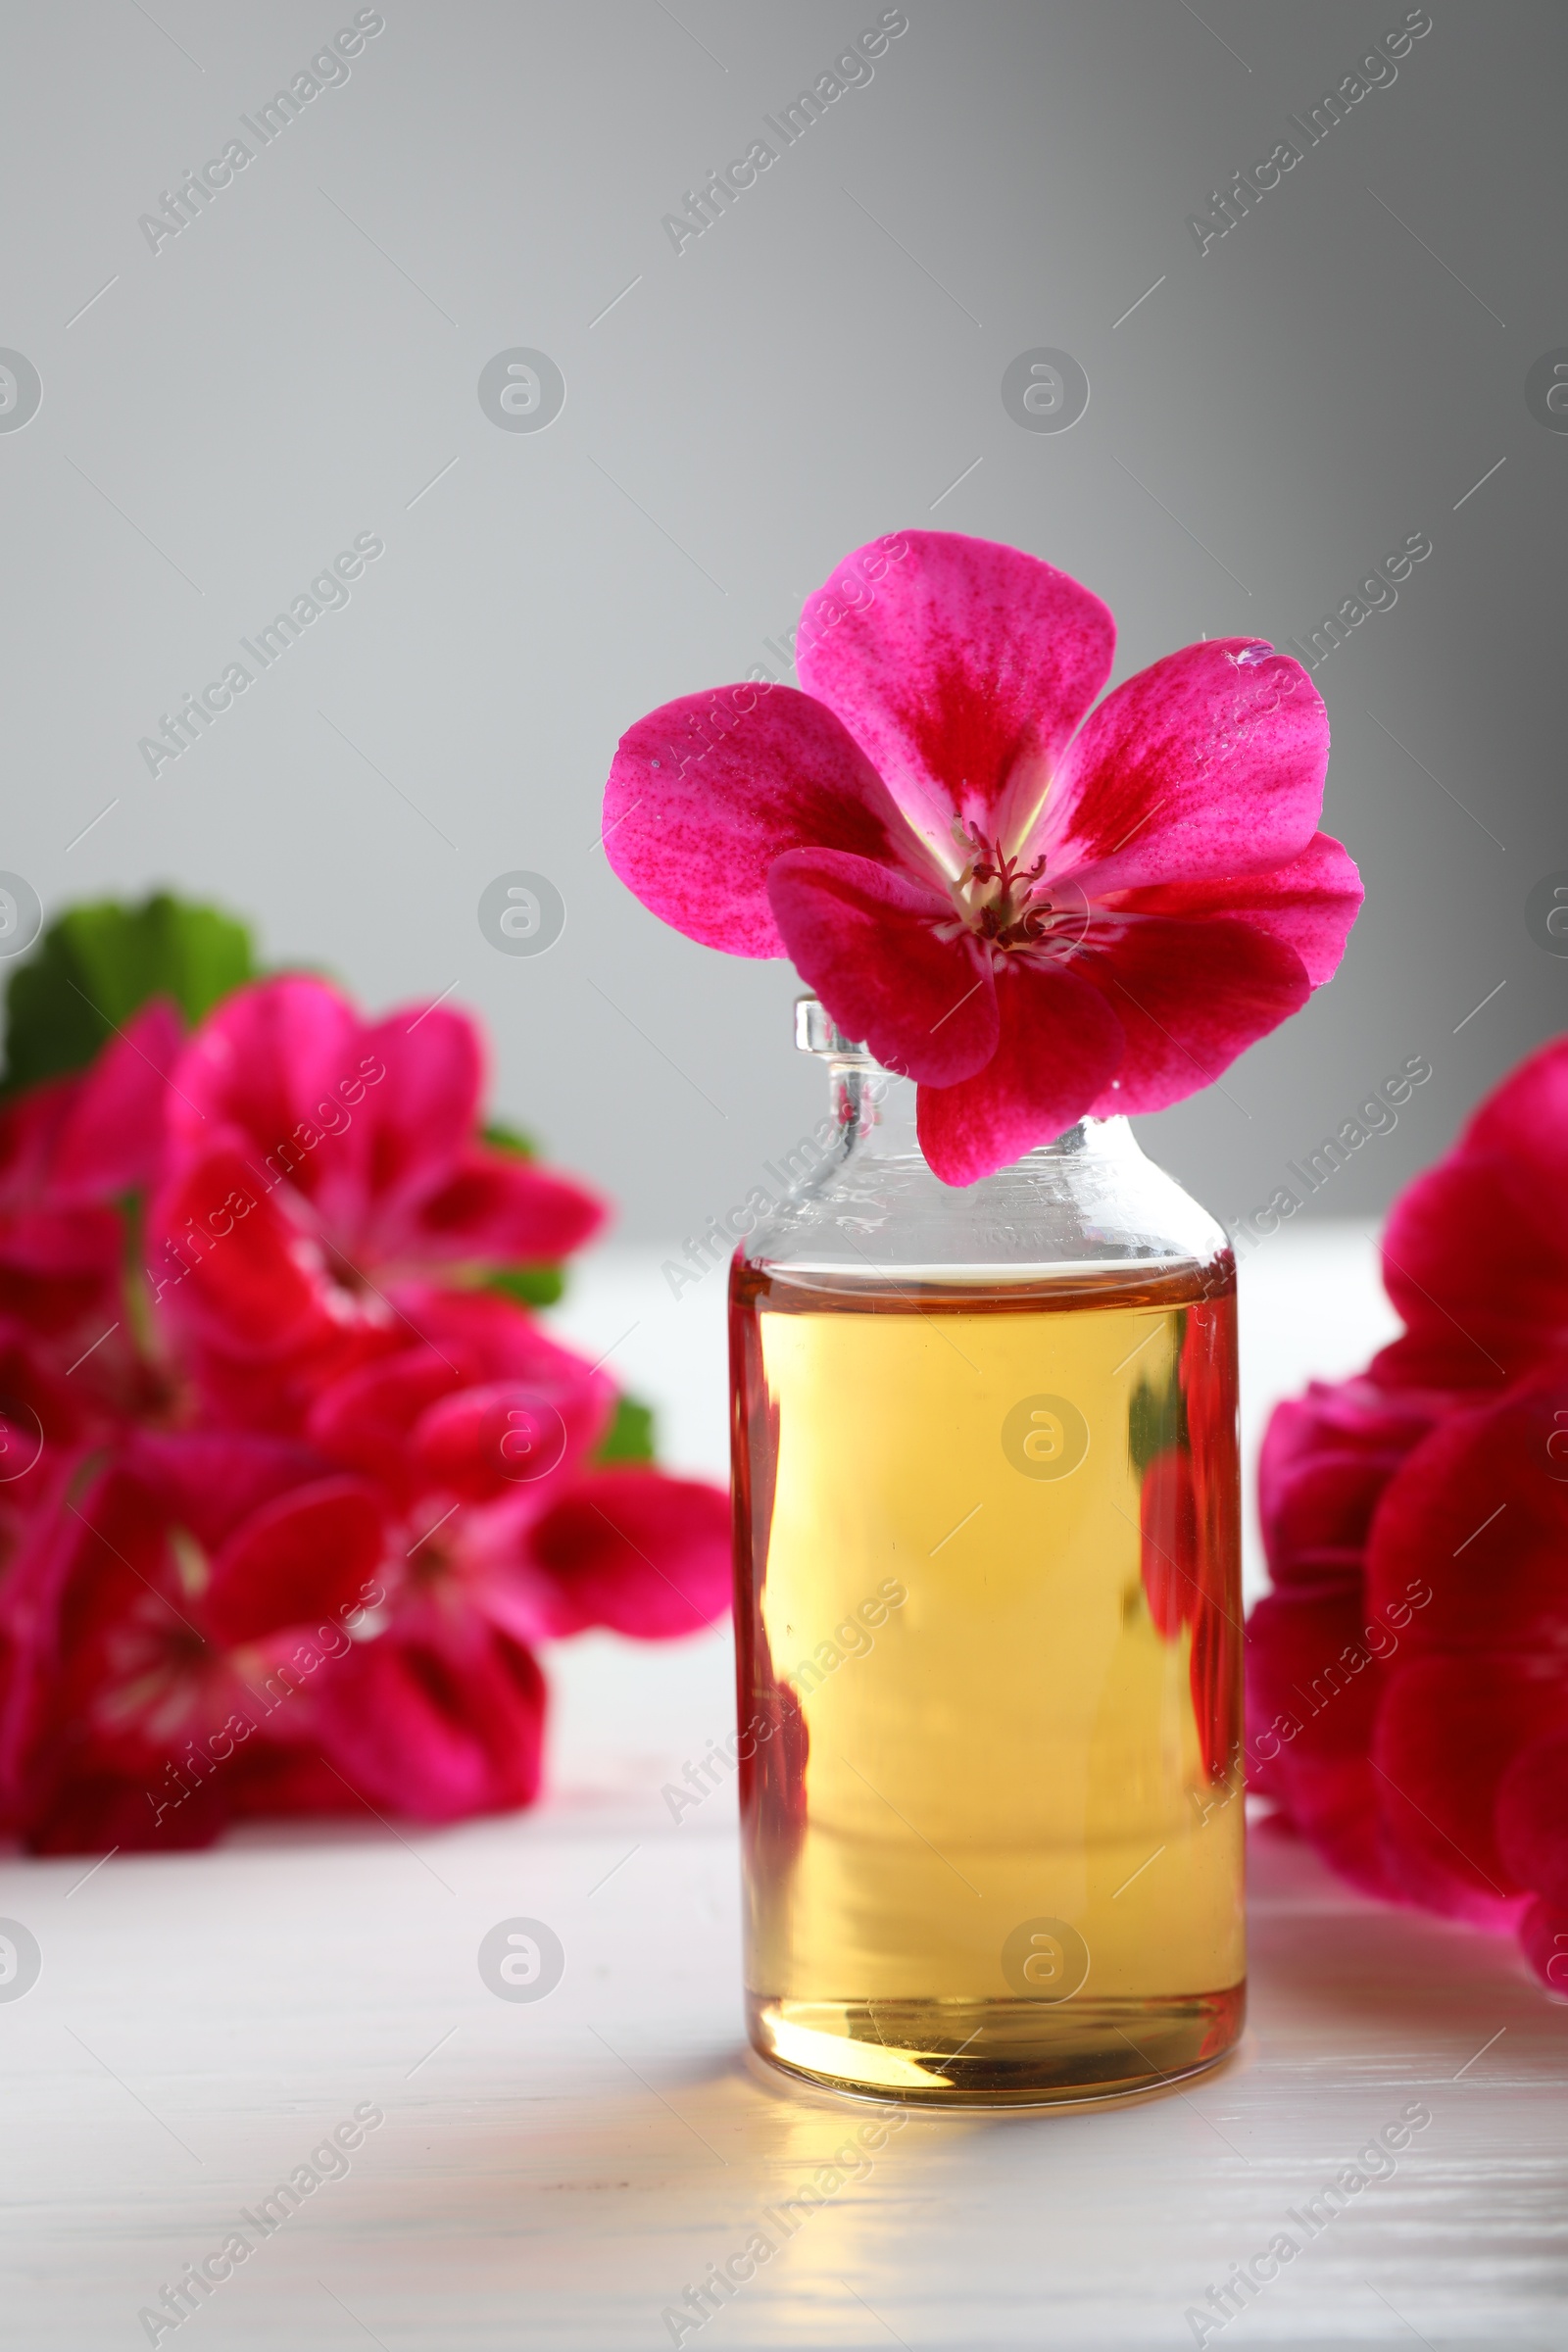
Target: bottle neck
(1087,1197)
(876,1114)
(873,1108)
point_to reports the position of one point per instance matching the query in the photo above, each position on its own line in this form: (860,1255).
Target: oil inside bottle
(987,1601)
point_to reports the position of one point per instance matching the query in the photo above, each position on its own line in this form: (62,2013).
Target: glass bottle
(987,1601)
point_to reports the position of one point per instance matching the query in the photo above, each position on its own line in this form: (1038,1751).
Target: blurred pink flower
(319,1163)
(1408,1674)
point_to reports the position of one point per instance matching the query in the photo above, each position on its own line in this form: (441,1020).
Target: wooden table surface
(558,2172)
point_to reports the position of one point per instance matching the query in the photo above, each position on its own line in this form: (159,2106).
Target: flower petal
(1475,1255)
(1474,1260)
(1445,1736)
(211,1480)
(1189,998)
(1326,1461)
(865,939)
(1479,1516)
(513,1434)
(1210,762)
(961,668)
(424,1070)
(302,1559)
(111,1138)
(1060,1041)
(1308,904)
(432,1736)
(88,1811)
(260,1061)
(640,1552)
(1532,1821)
(233,1260)
(364,1419)
(704,794)
(497,1209)
(1310,1717)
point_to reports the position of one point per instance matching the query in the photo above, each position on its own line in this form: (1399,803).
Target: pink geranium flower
(70,1150)
(318,1164)
(1407,1677)
(161,1635)
(1036,910)
(289,1541)
(504,1533)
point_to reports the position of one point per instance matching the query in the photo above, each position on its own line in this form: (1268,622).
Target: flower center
(1003,901)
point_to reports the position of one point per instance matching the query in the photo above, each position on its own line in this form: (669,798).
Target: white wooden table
(558,2172)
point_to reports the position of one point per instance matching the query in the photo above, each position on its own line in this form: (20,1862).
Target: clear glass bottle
(988,1599)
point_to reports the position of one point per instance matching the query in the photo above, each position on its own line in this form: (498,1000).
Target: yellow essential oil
(988,1606)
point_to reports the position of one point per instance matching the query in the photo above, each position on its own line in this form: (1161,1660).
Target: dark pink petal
(1312,1690)
(1308,1663)
(1308,904)
(1475,1258)
(1333,1801)
(513,1434)
(112,1136)
(365,1419)
(482,1335)
(423,1072)
(1445,1735)
(476,1344)
(1533,1821)
(960,668)
(706,792)
(1475,1255)
(1326,1460)
(268,1777)
(865,939)
(95,1810)
(500,1210)
(260,1063)
(1060,1041)
(303,1558)
(58,1267)
(1209,762)
(640,1552)
(232,1255)
(1527,1115)
(429,1732)
(40,1559)
(211,1480)
(1478,1516)
(30,1125)
(1189,998)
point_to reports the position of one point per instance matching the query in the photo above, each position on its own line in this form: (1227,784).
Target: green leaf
(96,966)
(501,1138)
(630,1435)
(530,1286)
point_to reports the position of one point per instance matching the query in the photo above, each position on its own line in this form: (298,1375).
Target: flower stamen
(1013,912)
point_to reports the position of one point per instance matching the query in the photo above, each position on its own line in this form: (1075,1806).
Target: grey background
(819,368)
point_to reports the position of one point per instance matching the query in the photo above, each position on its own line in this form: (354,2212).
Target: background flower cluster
(1408,1675)
(293,1482)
